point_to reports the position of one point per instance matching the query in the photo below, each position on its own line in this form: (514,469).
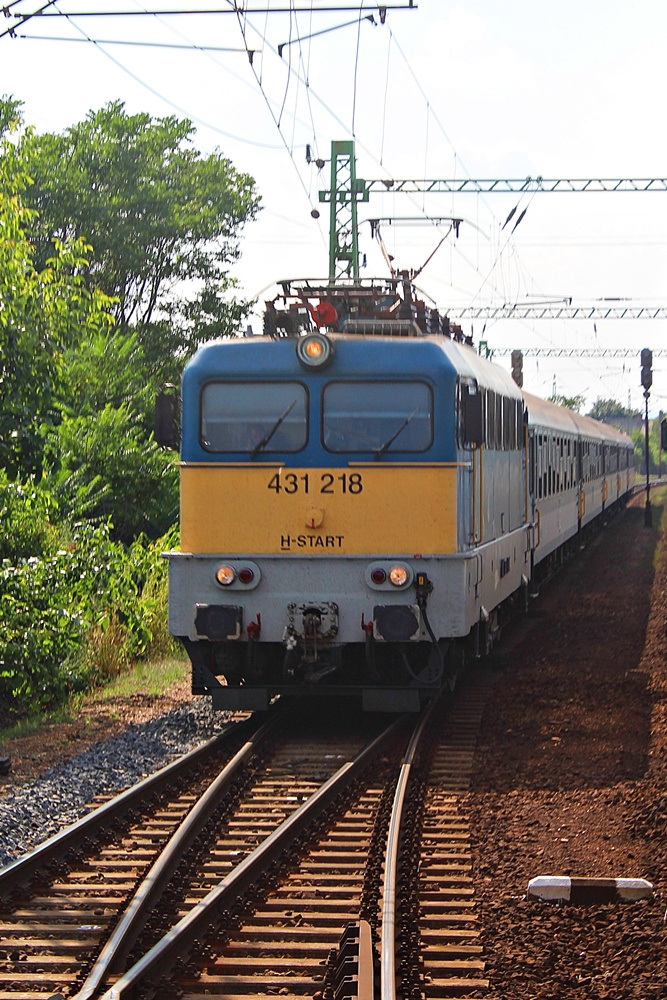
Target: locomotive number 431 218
(325,482)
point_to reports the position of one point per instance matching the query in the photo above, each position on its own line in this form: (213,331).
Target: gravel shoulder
(570,775)
(58,771)
(97,718)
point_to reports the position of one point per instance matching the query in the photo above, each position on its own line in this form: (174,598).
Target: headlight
(398,576)
(225,575)
(314,350)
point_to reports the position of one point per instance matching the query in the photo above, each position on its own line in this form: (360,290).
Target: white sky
(477,88)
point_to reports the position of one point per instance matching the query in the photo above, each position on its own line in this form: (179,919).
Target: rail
(192,927)
(20,872)
(153,885)
(388,936)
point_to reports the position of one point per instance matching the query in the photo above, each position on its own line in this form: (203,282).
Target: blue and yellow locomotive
(362,496)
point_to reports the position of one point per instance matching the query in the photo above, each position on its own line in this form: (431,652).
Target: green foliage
(115,243)
(570,402)
(657,458)
(11,115)
(611,410)
(77,612)
(106,368)
(163,220)
(27,517)
(42,313)
(47,603)
(137,481)
(102,459)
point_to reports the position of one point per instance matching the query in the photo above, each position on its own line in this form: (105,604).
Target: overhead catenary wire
(22,18)
(305,66)
(384,105)
(193,47)
(456,249)
(162,97)
(354,79)
(276,121)
(197,118)
(324,31)
(329,110)
(228,9)
(489,285)
(289,75)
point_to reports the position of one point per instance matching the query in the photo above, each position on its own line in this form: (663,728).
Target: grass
(659,511)
(25,727)
(150,677)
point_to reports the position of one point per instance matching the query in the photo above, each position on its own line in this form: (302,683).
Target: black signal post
(647,382)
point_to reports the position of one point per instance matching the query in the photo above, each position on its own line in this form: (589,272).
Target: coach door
(473,435)
(581,494)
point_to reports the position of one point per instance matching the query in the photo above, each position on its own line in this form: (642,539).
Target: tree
(42,312)
(108,465)
(163,221)
(11,116)
(90,330)
(610,410)
(570,402)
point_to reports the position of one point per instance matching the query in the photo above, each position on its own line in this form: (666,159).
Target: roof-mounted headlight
(314,350)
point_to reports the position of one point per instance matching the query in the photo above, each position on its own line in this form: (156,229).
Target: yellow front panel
(349,511)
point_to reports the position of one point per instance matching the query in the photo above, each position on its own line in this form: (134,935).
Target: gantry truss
(566,311)
(522,185)
(574,352)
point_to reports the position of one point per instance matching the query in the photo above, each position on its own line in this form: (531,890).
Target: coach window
(499,421)
(490,419)
(254,417)
(506,423)
(377,416)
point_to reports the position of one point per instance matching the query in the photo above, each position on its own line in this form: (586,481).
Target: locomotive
(364,497)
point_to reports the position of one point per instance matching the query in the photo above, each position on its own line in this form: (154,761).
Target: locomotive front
(319,487)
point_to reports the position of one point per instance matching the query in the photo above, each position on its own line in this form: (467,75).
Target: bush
(27,516)
(134,482)
(77,615)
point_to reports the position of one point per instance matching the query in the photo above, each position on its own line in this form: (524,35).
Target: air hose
(424,587)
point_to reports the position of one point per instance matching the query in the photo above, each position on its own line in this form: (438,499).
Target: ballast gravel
(43,806)
(570,776)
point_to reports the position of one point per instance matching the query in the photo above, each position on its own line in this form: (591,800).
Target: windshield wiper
(267,437)
(387,444)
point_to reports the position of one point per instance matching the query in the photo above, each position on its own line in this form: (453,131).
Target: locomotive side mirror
(166,420)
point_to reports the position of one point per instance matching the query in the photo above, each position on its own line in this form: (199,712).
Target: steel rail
(151,888)
(195,924)
(388,933)
(22,870)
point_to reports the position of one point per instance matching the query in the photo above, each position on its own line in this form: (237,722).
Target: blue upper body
(385,399)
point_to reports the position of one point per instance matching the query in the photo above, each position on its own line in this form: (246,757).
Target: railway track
(317,862)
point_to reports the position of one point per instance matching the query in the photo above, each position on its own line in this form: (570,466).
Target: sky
(476,89)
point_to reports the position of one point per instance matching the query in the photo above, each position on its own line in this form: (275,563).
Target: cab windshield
(254,417)
(378,417)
